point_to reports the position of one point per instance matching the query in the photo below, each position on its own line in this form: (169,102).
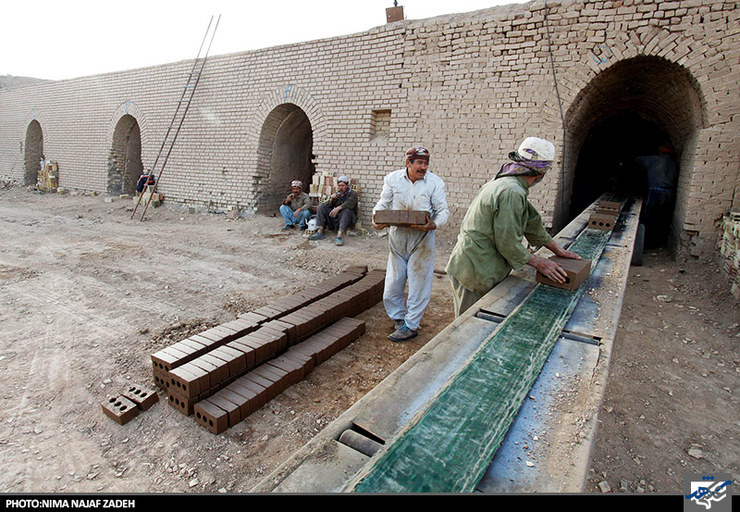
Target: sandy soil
(88,294)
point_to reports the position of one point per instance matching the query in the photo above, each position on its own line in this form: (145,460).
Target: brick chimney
(394,13)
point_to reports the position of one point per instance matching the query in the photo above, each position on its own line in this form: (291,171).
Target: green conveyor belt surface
(450,444)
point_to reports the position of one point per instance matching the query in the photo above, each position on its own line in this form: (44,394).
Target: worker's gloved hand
(548,268)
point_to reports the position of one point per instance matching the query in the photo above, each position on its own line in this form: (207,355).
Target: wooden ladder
(183,105)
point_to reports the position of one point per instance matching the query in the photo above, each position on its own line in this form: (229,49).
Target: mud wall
(468,86)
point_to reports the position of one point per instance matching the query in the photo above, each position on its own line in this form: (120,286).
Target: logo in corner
(708,492)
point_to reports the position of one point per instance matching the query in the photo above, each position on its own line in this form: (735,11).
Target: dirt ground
(88,294)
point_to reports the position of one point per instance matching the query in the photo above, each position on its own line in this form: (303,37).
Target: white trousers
(411,260)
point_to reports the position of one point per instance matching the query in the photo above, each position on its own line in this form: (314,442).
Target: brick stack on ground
(227,372)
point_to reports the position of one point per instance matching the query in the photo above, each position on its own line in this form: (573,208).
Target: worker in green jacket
(490,245)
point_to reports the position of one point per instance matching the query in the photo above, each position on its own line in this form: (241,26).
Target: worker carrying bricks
(339,212)
(411,248)
(296,207)
(489,244)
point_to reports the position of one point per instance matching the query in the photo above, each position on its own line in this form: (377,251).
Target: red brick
(211,416)
(168,358)
(600,221)
(249,352)
(270,391)
(120,409)
(189,380)
(232,409)
(182,403)
(237,361)
(255,391)
(577,270)
(249,395)
(243,403)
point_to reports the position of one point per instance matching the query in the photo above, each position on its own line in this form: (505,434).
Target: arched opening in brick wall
(285,153)
(124,160)
(630,110)
(33,152)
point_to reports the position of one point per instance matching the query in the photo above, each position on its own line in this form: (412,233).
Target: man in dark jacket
(339,212)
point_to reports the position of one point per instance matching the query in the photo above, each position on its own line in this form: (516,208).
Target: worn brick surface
(211,416)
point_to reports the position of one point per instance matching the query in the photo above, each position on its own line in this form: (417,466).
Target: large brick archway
(33,152)
(124,164)
(285,154)
(287,133)
(626,111)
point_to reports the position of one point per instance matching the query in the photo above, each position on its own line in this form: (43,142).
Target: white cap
(534,148)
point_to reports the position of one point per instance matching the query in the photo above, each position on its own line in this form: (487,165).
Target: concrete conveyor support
(581,351)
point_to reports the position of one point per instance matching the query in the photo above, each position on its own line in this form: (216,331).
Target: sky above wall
(63,39)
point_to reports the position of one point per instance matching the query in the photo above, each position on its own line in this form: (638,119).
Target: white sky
(60,39)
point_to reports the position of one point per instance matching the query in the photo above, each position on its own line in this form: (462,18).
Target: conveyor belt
(449,445)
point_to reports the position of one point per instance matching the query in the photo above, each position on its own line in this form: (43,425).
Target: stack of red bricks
(227,372)
(401,217)
(605,217)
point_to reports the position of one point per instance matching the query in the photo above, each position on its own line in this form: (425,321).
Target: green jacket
(490,245)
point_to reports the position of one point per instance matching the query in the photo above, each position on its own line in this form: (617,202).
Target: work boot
(402,334)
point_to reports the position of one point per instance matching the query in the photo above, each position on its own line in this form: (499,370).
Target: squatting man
(339,212)
(295,209)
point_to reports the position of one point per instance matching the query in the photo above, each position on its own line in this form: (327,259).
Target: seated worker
(145,180)
(296,207)
(339,212)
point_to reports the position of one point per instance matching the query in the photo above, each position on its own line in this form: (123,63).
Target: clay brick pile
(227,372)
(606,215)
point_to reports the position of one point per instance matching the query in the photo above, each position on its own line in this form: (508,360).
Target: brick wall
(468,86)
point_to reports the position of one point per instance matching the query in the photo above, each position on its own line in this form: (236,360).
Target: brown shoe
(402,334)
